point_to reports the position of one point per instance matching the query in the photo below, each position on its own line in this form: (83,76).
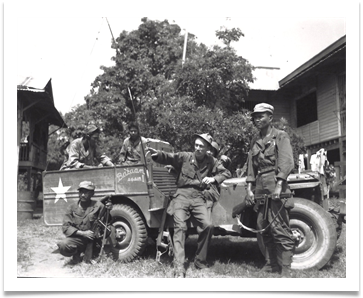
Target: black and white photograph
(202,141)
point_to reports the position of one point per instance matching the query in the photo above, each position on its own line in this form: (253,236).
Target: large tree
(171,100)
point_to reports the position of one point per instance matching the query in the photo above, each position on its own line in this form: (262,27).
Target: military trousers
(278,234)
(182,208)
(72,245)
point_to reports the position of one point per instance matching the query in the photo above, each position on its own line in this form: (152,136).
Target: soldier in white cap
(78,223)
(197,171)
(270,161)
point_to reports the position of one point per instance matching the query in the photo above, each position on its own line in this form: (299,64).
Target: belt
(266,170)
(190,191)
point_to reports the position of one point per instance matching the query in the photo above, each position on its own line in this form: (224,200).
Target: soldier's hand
(208,180)
(109,164)
(109,205)
(277,192)
(87,167)
(87,234)
(151,150)
(250,198)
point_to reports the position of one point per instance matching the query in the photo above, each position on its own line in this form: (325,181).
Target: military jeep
(141,193)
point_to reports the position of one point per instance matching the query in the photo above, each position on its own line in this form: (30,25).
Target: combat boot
(76,259)
(179,274)
(271,265)
(286,257)
(179,270)
(270,268)
(200,264)
(286,272)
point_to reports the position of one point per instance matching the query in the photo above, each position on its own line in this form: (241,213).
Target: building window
(306,109)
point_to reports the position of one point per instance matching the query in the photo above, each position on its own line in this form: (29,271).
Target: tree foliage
(169,99)
(297,142)
(229,35)
(216,78)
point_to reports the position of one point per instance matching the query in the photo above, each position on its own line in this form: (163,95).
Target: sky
(69,47)
(69,42)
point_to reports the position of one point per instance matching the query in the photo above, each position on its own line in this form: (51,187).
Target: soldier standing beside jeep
(197,171)
(270,162)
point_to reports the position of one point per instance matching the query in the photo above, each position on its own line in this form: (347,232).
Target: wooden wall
(327,125)
(327,107)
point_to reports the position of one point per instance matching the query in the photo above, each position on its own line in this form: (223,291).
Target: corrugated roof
(266,78)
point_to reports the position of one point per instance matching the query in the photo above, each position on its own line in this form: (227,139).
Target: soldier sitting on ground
(80,227)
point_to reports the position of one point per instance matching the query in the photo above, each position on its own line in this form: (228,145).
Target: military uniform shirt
(77,156)
(77,219)
(263,156)
(186,164)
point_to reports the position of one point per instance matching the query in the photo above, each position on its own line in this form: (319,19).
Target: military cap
(263,107)
(86,185)
(205,136)
(92,129)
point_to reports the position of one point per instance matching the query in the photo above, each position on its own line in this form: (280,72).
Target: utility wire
(84,68)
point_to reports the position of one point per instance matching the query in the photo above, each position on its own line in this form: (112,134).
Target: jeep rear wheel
(131,233)
(316,235)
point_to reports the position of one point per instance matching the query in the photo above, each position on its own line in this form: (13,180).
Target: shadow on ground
(224,249)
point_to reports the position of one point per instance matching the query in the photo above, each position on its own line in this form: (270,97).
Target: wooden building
(312,98)
(35,113)
(317,95)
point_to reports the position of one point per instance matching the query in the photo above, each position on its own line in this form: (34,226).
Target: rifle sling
(265,228)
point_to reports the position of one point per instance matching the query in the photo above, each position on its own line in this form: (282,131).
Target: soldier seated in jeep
(131,152)
(84,152)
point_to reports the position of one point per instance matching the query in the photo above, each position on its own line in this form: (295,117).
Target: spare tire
(317,235)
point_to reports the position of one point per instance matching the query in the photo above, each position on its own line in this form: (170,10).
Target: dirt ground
(46,264)
(39,259)
(42,262)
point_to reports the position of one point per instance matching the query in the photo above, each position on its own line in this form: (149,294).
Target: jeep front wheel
(131,233)
(316,235)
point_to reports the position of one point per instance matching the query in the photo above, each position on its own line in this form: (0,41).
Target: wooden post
(185,46)
(29,174)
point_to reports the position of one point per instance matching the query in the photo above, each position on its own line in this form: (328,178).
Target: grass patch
(229,257)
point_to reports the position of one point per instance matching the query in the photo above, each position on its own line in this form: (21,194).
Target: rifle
(106,231)
(160,245)
(260,199)
(100,231)
(264,199)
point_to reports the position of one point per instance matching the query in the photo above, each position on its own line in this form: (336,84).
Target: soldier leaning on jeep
(197,171)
